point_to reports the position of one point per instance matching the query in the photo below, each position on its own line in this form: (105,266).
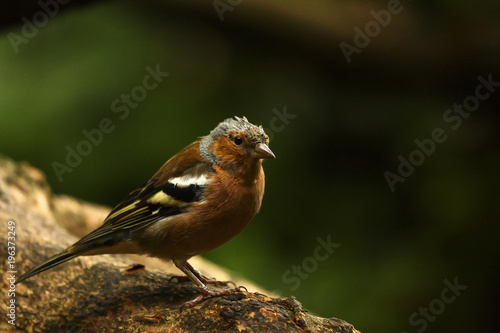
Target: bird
(198,200)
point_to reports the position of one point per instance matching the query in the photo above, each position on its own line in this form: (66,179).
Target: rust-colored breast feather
(228,205)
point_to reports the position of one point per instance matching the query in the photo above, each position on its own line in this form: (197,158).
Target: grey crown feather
(255,133)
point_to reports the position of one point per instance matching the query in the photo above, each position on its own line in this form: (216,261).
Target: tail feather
(51,262)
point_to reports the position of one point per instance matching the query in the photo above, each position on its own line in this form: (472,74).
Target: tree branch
(94,293)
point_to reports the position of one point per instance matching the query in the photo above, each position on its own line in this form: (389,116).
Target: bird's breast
(228,205)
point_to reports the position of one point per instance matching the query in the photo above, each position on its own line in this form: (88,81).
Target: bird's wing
(177,185)
(160,197)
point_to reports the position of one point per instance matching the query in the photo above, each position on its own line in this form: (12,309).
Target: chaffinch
(198,200)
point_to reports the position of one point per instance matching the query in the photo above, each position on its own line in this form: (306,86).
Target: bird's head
(236,145)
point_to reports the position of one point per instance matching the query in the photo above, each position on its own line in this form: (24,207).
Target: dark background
(352,122)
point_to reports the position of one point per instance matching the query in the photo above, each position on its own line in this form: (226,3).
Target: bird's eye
(238,140)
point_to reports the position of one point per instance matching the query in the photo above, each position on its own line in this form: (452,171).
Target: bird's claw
(206,292)
(241,288)
(204,279)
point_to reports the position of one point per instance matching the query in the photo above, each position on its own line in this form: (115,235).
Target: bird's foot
(219,283)
(204,279)
(206,292)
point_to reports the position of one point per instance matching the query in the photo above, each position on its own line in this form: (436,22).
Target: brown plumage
(198,200)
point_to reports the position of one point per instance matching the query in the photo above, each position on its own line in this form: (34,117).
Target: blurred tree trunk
(94,294)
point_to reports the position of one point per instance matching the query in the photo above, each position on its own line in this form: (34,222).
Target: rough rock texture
(93,294)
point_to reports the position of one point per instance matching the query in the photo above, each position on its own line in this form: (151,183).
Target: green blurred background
(352,121)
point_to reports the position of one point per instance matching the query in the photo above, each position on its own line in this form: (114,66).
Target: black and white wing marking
(147,205)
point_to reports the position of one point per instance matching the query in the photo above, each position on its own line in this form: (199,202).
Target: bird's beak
(263,151)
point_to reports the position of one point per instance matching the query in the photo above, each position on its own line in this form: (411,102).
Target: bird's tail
(64,256)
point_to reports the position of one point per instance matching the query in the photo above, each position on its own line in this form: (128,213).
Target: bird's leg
(205,291)
(204,279)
